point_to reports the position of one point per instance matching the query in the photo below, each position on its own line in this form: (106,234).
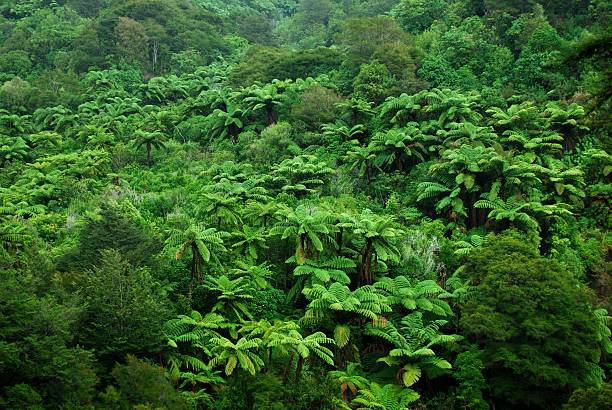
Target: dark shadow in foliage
(596,49)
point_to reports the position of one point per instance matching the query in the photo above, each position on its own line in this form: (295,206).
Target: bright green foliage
(250,241)
(418,15)
(288,340)
(471,381)
(257,275)
(364,301)
(264,99)
(196,329)
(373,82)
(413,340)
(379,235)
(149,140)
(222,208)
(387,397)
(342,131)
(396,148)
(242,353)
(301,175)
(590,399)
(225,123)
(12,149)
(426,295)
(231,295)
(304,204)
(309,226)
(204,245)
(351,380)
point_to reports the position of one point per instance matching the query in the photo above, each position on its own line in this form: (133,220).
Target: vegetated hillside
(307,204)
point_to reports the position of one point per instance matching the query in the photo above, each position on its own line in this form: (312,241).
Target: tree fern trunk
(149,155)
(194,262)
(269,358)
(366,262)
(288,367)
(298,368)
(301,256)
(270,117)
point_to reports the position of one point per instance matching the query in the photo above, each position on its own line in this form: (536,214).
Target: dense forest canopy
(313,204)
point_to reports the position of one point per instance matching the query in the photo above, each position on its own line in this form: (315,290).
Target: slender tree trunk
(190,292)
(149,154)
(193,264)
(288,367)
(339,240)
(369,263)
(569,140)
(194,269)
(366,263)
(232,132)
(298,368)
(473,215)
(155,53)
(270,117)
(302,248)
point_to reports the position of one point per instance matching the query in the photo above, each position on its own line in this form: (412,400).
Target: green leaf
(560,188)
(342,335)
(411,375)
(231,365)
(469,181)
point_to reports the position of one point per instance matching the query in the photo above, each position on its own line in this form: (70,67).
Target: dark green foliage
(112,228)
(39,362)
(123,310)
(590,399)
(418,15)
(532,323)
(374,82)
(269,392)
(471,381)
(15,62)
(596,49)
(265,64)
(141,383)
